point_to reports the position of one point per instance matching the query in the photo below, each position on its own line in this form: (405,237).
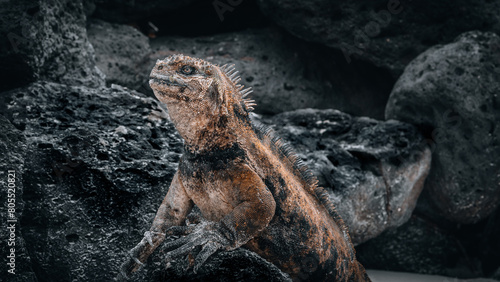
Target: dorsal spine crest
(232,75)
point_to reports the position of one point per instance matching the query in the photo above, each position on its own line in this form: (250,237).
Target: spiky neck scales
(204,101)
(242,92)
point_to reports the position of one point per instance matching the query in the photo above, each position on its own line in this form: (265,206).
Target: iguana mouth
(168,80)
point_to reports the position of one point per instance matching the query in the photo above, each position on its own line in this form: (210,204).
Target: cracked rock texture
(101,159)
(452,92)
(45,40)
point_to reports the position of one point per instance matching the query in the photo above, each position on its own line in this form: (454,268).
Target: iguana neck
(202,132)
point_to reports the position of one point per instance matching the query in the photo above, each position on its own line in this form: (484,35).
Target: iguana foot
(206,234)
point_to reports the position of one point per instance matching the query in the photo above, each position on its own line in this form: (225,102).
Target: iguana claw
(133,263)
(205,234)
(147,235)
(136,260)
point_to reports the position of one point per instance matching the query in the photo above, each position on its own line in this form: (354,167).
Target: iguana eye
(187,70)
(160,67)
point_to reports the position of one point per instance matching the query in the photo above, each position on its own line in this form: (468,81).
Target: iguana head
(201,97)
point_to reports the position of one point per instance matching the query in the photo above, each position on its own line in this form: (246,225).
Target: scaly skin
(251,189)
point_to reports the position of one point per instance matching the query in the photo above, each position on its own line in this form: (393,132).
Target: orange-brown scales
(252,189)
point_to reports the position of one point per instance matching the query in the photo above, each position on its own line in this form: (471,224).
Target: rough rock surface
(98,166)
(13,148)
(45,40)
(373,170)
(452,92)
(101,159)
(122,53)
(388,33)
(238,265)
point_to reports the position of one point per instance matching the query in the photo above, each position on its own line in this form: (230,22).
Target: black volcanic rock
(130,11)
(99,162)
(122,53)
(12,164)
(238,265)
(374,171)
(387,33)
(45,40)
(452,92)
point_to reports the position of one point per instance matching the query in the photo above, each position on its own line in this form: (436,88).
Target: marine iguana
(250,187)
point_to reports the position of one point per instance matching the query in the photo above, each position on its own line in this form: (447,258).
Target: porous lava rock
(45,40)
(17,265)
(452,92)
(122,53)
(97,166)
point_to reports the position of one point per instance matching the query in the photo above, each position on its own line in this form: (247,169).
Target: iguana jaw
(167,87)
(163,79)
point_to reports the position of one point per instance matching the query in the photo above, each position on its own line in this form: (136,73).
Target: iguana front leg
(172,212)
(253,212)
